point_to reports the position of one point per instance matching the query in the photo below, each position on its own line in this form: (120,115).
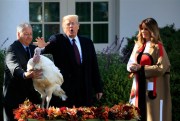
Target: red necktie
(76,52)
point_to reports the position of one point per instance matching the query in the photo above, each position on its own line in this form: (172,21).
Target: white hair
(21,26)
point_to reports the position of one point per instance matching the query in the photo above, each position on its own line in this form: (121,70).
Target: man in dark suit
(82,81)
(18,86)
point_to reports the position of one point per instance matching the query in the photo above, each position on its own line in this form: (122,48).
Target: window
(44,18)
(94,18)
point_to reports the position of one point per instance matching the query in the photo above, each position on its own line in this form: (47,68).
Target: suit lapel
(31,50)
(83,49)
(21,52)
(68,48)
(21,49)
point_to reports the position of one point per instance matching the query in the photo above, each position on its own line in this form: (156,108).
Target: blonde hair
(152,27)
(75,17)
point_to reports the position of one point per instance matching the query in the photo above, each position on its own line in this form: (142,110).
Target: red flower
(117,112)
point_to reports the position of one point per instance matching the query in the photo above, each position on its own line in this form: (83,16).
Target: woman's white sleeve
(132,58)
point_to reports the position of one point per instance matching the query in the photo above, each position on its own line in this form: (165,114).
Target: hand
(40,42)
(99,95)
(135,67)
(33,74)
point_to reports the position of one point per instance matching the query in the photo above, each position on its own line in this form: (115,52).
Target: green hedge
(117,85)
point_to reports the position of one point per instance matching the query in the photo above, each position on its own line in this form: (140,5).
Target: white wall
(132,12)
(12,13)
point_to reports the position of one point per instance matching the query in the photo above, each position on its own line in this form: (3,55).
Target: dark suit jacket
(80,81)
(15,88)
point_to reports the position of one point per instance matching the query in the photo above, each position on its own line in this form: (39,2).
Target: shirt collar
(76,38)
(24,46)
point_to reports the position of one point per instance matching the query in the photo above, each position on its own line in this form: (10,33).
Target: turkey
(51,80)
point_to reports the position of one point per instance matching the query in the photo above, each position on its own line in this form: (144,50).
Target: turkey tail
(64,97)
(60,92)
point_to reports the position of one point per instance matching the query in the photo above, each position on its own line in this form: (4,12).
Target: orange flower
(117,112)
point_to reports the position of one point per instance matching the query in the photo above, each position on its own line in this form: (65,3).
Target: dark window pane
(85,30)
(100,11)
(51,12)
(50,29)
(100,33)
(35,12)
(37,31)
(83,10)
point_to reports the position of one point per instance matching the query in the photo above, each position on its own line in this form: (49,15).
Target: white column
(161,110)
(12,13)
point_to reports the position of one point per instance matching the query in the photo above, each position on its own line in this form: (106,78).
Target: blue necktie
(76,52)
(28,52)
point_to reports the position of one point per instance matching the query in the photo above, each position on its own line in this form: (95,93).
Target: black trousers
(8,113)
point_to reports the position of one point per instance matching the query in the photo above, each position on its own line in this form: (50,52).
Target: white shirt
(78,45)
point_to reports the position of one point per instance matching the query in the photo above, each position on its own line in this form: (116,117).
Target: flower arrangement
(123,111)
(27,110)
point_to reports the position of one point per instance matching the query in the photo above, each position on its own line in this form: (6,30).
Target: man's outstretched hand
(40,42)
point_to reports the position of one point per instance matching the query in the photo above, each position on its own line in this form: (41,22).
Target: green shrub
(115,78)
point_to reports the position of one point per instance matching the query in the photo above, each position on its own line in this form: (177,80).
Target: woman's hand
(135,67)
